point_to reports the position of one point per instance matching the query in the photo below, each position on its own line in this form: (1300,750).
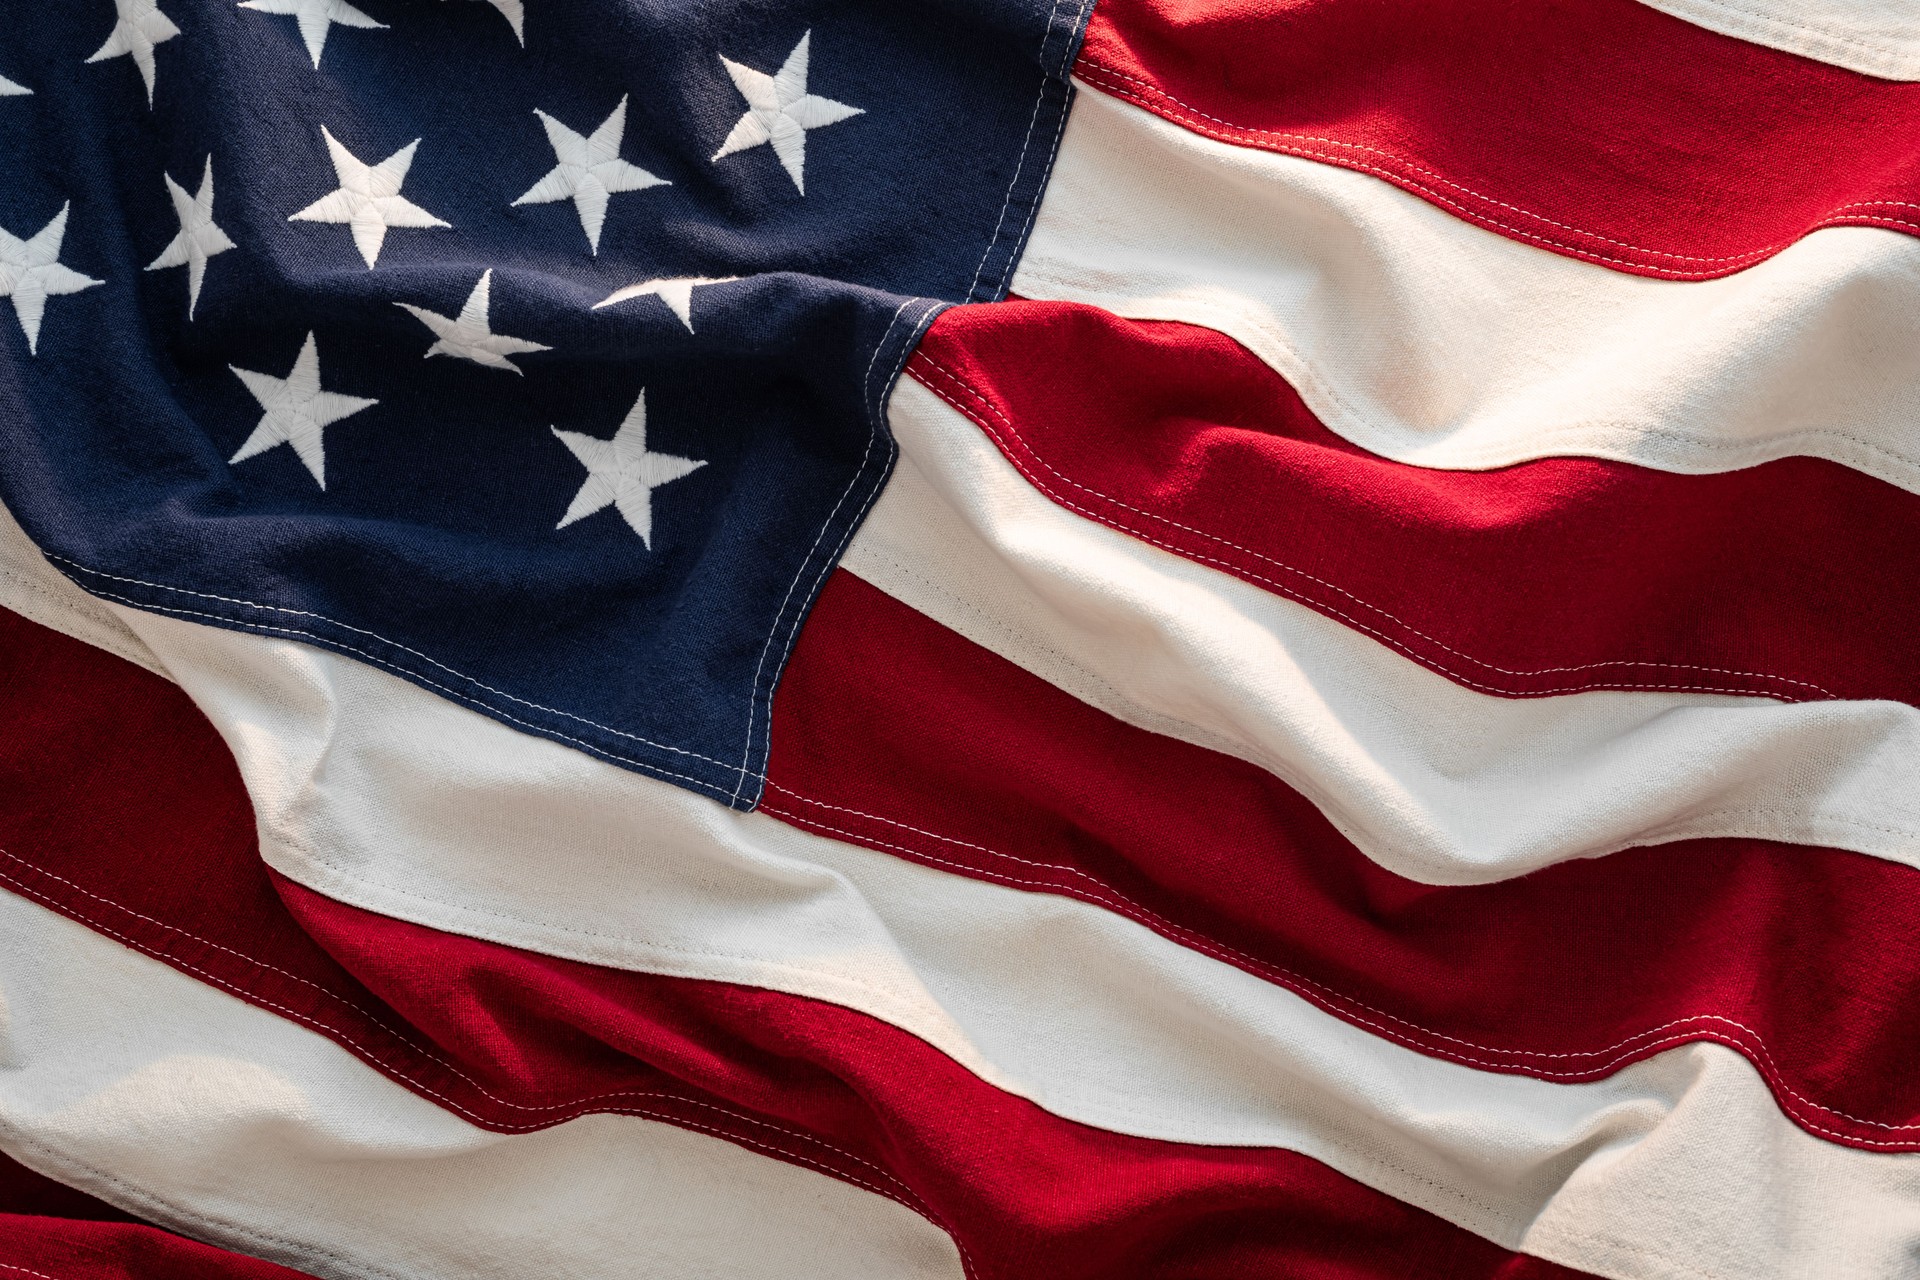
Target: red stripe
(514,1040)
(63,1249)
(1792,579)
(50,1231)
(26,1193)
(893,732)
(1601,129)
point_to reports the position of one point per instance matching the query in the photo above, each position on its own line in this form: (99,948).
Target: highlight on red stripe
(893,732)
(512,1040)
(1600,129)
(1788,580)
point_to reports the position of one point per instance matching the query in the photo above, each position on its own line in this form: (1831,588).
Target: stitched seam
(303,613)
(1020,164)
(1365,1156)
(68,611)
(1225,318)
(1446,1191)
(48,593)
(1789,813)
(1007,635)
(368,1014)
(753,704)
(1237,135)
(1053,151)
(25,1271)
(1698,825)
(1046,177)
(1200,943)
(879,996)
(154,1206)
(853,524)
(1228,131)
(454,694)
(1764,19)
(144,1198)
(1104,896)
(1398,644)
(577,1106)
(1877,204)
(873,435)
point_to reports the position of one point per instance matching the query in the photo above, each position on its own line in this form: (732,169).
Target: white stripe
(1874,37)
(189,1107)
(379,794)
(1433,779)
(1430,340)
(33,589)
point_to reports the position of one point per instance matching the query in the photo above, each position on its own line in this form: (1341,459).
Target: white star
(199,238)
(297,411)
(368,199)
(621,473)
(515,15)
(9,89)
(316,18)
(589,171)
(30,273)
(468,336)
(140,26)
(780,111)
(676,292)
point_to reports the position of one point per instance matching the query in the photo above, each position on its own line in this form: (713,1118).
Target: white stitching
(873,434)
(1158,91)
(1019,165)
(853,525)
(1087,65)
(880,994)
(1111,899)
(1765,19)
(303,613)
(158,1207)
(452,693)
(1377,634)
(1227,319)
(1046,79)
(368,1014)
(1046,177)
(578,1106)
(1365,1156)
(165,1211)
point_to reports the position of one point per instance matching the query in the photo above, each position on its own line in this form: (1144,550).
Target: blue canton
(536,351)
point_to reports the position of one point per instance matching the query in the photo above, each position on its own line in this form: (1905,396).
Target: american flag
(981,639)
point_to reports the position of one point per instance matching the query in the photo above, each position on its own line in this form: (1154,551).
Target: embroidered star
(515,15)
(780,111)
(316,18)
(199,238)
(297,411)
(140,26)
(30,273)
(623,473)
(368,199)
(468,335)
(9,89)
(676,292)
(589,171)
